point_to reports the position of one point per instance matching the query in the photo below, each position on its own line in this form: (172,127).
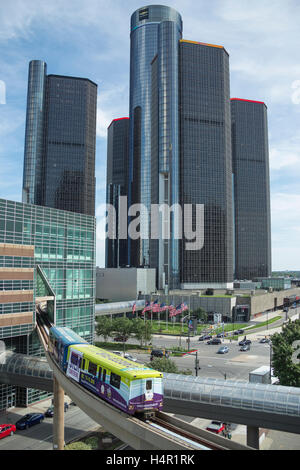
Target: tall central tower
(155,34)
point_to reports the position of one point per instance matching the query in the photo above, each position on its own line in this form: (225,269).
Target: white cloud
(112,104)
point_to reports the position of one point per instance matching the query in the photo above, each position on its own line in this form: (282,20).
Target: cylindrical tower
(155,34)
(34,133)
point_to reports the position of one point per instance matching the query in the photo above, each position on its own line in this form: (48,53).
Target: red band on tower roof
(118,119)
(249,101)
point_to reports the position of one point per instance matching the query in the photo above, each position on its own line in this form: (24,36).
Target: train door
(74,362)
(148,389)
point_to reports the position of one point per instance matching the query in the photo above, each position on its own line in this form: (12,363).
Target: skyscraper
(59,158)
(116,254)
(180,156)
(251,189)
(206,170)
(155,34)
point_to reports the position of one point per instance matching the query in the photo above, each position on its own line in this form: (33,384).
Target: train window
(149,385)
(74,359)
(115,380)
(82,367)
(104,375)
(92,368)
(99,372)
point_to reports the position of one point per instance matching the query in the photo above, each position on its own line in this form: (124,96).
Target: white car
(126,355)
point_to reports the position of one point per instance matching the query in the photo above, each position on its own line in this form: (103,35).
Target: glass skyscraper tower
(206,168)
(60,138)
(180,153)
(250,156)
(116,186)
(155,34)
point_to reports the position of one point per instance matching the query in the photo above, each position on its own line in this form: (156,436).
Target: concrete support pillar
(58,418)
(253,437)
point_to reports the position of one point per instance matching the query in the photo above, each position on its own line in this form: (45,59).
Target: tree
(200,313)
(163,365)
(285,361)
(167,365)
(104,327)
(122,326)
(142,330)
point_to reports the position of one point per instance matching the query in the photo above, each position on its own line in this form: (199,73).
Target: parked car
(223,350)
(214,341)
(29,420)
(204,337)
(221,335)
(121,338)
(158,353)
(244,341)
(7,430)
(245,347)
(216,426)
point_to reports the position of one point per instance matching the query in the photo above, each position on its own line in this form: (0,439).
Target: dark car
(221,335)
(7,430)
(121,338)
(244,341)
(245,347)
(214,341)
(159,353)
(50,411)
(204,337)
(29,420)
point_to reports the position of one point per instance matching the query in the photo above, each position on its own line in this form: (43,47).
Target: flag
(146,308)
(134,307)
(155,306)
(184,307)
(163,307)
(176,311)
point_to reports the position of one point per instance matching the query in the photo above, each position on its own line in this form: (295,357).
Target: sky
(91,39)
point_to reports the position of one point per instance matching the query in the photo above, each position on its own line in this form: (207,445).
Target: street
(40,436)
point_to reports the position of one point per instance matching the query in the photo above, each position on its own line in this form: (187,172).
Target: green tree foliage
(142,330)
(104,327)
(122,326)
(167,365)
(200,314)
(163,365)
(285,368)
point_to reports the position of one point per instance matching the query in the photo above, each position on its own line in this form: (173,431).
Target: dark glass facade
(251,189)
(117,185)
(45,254)
(206,168)
(59,161)
(155,32)
(34,134)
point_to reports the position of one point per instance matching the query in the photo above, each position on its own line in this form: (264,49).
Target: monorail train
(131,387)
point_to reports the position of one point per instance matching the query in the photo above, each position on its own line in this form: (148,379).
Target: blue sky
(90,38)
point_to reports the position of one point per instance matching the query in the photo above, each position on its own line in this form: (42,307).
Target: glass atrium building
(47,257)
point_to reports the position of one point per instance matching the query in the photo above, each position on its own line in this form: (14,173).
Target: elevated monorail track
(164,432)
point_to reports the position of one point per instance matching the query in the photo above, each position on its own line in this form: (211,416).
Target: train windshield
(148,390)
